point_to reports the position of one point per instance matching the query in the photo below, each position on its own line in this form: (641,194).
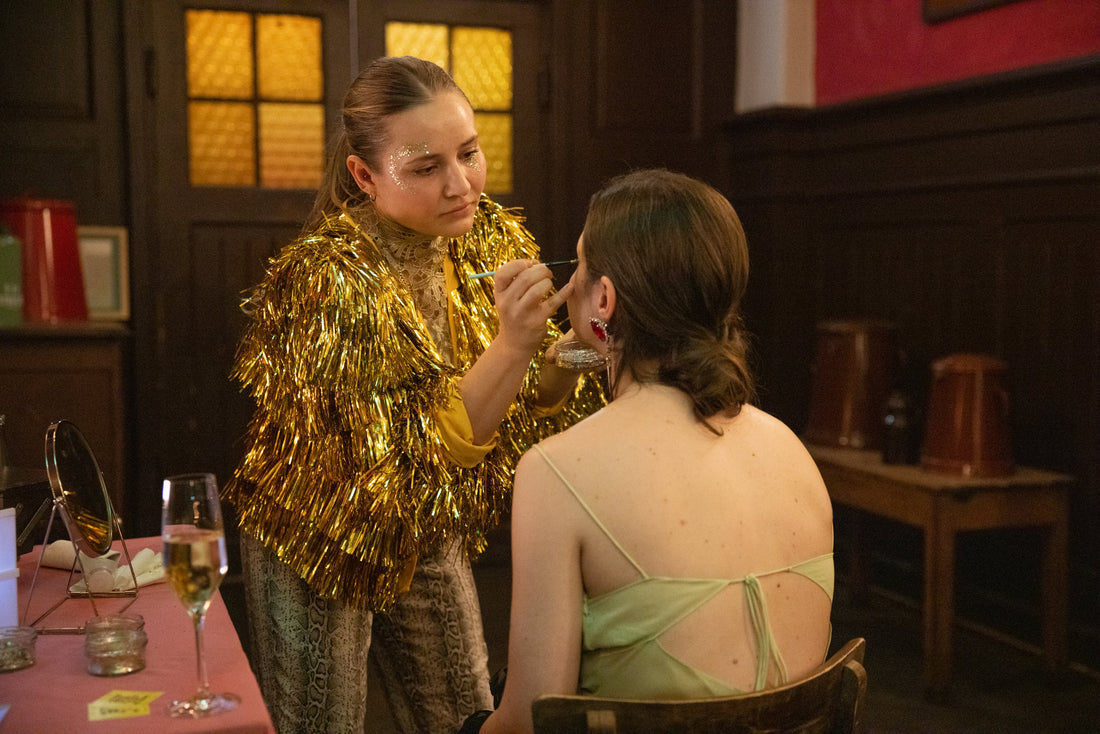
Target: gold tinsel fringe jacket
(346,476)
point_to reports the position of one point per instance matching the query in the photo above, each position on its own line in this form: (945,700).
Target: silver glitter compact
(578,356)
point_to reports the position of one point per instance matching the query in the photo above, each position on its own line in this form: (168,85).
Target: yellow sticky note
(122,705)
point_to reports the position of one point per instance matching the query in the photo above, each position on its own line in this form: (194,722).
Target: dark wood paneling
(644,79)
(61,132)
(72,372)
(62,54)
(205,413)
(968,215)
(635,85)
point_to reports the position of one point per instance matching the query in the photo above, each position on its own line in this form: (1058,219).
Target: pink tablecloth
(53,695)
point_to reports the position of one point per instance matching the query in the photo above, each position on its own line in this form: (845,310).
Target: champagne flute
(195,563)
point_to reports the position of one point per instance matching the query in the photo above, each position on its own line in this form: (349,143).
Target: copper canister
(855,364)
(967,429)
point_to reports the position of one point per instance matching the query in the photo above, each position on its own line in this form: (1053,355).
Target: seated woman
(678,543)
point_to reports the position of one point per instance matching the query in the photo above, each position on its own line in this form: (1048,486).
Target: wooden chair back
(828,700)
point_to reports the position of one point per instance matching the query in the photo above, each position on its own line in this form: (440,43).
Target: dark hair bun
(711,368)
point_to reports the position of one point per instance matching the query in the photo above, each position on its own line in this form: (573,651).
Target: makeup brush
(487,273)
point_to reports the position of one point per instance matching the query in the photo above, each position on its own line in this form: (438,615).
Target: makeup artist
(394,394)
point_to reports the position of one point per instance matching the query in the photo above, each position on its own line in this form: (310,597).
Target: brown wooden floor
(997,687)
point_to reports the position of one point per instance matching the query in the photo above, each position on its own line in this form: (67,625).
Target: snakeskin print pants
(310,654)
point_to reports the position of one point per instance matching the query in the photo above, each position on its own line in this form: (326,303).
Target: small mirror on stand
(80,497)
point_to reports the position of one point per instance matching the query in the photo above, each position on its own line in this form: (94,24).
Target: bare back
(685,503)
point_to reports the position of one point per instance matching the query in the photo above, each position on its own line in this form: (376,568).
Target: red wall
(869,47)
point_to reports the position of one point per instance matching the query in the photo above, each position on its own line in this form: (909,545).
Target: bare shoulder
(771,437)
(538,470)
(767,427)
(592,430)
(544,511)
(563,461)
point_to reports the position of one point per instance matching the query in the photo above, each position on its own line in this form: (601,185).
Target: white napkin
(59,554)
(147,567)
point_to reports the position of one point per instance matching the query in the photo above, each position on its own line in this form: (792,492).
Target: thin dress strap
(591,514)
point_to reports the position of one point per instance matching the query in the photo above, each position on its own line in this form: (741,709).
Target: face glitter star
(473,159)
(399,156)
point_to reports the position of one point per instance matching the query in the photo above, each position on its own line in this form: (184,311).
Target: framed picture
(104,261)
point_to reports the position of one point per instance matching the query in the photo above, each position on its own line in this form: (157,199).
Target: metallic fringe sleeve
(346,476)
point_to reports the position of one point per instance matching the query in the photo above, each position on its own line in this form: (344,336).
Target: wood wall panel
(61,132)
(32,170)
(634,85)
(226,260)
(636,42)
(63,52)
(71,372)
(199,306)
(967,215)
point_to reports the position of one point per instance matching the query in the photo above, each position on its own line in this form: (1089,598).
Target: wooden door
(201,247)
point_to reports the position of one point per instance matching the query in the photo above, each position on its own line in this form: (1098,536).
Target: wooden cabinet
(75,372)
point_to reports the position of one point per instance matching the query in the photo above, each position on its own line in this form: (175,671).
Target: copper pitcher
(853,372)
(967,431)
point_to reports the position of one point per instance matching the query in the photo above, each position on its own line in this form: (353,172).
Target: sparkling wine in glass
(195,563)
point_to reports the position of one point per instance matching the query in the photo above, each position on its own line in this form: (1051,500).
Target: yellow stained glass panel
(483,66)
(427,41)
(494,132)
(219,54)
(292,145)
(222,144)
(288,52)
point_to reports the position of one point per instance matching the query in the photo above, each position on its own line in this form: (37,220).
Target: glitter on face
(399,156)
(474,161)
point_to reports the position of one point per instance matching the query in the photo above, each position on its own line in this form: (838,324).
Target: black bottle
(898,430)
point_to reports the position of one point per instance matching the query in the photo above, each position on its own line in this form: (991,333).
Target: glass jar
(16,648)
(115,644)
(109,622)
